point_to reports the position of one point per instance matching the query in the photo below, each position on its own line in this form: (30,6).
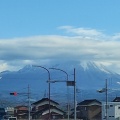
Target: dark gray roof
(117,99)
(44,99)
(87,102)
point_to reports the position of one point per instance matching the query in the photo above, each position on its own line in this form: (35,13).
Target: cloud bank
(79,44)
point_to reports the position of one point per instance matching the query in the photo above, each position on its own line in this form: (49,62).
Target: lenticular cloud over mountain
(77,44)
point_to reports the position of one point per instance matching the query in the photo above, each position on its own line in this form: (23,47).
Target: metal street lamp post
(69,83)
(29,103)
(48,85)
(68,107)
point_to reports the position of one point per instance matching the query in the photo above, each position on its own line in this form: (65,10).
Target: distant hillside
(89,78)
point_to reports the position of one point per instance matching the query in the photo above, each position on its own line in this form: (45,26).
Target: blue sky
(42,17)
(40,31)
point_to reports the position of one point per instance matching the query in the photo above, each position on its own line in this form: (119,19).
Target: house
(21,112)
(9,111)
(89,110)
(42,108)
(112,111)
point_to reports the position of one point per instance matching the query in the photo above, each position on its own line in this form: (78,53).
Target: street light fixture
(70,83)
(68,107)
(106,94)
(48,84)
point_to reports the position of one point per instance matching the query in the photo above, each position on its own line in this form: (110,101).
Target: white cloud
(86,32)
(85,44)
(5,66)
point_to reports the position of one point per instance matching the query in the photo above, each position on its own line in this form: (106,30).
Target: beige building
(89,110)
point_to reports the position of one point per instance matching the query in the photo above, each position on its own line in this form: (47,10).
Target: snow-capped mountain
(89,77)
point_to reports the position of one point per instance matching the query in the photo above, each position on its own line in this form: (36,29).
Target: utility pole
(74,96)
(106,95)
(106,100)
(26,94)
(29,108)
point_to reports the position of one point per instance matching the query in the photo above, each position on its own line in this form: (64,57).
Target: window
(111,116)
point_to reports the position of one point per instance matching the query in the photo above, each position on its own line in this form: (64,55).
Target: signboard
(70,83)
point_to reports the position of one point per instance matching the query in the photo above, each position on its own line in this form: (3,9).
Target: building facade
(45,109)
(111,111)
(89,110)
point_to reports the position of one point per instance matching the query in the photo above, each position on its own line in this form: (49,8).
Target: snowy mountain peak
(84,65)
(89,76)
(95,66)
(26,68)
(103,68)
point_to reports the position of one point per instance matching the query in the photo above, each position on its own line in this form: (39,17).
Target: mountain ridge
(89,77)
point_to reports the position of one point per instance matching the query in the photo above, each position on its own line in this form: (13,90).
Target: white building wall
(113,110)
(117,111)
